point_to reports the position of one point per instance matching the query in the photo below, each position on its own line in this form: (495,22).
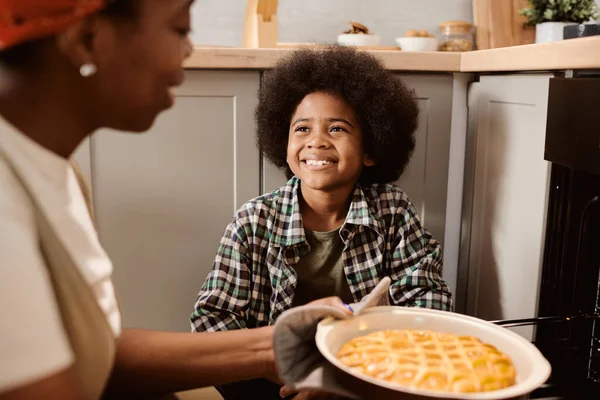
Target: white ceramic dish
(417,43)
(354,39)
(532,368)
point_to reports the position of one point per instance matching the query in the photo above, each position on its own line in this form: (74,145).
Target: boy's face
(325,143)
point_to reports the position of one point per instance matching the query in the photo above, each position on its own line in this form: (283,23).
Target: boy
(343,128)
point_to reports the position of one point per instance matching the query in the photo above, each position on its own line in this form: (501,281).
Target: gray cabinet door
(426,179)
(164,198)
(509,198)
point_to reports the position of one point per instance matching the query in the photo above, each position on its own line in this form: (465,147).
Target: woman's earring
(88,69)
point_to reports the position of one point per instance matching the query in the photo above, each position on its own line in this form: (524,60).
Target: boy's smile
(318,162)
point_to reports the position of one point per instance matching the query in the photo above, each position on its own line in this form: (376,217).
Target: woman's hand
(332,301)
(311,394)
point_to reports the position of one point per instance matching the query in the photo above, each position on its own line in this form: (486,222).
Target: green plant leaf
(577,11)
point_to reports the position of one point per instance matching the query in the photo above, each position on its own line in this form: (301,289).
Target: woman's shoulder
(15,204)
(31,324)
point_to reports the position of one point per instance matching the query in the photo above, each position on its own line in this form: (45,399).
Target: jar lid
(456,24)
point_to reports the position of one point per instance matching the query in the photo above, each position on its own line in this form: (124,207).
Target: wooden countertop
(237,58)
(581,53)
(568,54)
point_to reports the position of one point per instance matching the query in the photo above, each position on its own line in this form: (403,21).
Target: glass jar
(456,36)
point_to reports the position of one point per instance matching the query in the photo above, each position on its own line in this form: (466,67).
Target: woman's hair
(24,54)
(387,110)
(121,9)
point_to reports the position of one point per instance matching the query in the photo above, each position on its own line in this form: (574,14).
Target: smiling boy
(343,128)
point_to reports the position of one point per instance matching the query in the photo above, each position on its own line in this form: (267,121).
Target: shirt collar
(360,212)
(290,218)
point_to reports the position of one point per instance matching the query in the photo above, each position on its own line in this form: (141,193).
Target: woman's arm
(154,363)
(151,362)
(62,385)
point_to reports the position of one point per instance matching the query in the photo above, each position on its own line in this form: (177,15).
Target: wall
(221,22)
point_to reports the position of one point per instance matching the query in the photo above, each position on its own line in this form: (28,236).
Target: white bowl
(354,39)
(417,43)
(531,367)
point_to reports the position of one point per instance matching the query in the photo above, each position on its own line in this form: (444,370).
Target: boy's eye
(301,129)
(338,129)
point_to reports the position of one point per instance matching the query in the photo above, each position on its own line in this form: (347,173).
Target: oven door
(571,271)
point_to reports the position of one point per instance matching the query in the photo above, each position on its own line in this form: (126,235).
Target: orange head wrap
(25,20)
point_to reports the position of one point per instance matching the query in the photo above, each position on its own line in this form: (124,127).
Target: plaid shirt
(253,279)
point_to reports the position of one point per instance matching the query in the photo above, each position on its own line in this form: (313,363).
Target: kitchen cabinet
(425,180)
(506,187)
(164,198)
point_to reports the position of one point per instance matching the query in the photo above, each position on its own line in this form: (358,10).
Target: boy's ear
(369,162)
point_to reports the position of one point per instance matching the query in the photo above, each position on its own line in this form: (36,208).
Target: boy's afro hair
(387,110)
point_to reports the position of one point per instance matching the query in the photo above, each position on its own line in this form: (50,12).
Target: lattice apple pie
(429,360)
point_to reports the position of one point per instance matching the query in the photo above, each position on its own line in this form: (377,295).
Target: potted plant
(550,16)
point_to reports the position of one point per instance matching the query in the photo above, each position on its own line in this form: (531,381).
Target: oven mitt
(300,364)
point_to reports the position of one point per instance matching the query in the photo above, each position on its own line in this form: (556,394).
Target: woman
(68,68)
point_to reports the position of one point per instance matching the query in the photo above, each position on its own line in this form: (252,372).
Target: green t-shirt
(321,272)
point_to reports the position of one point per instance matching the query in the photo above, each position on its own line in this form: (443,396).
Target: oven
(567,329)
